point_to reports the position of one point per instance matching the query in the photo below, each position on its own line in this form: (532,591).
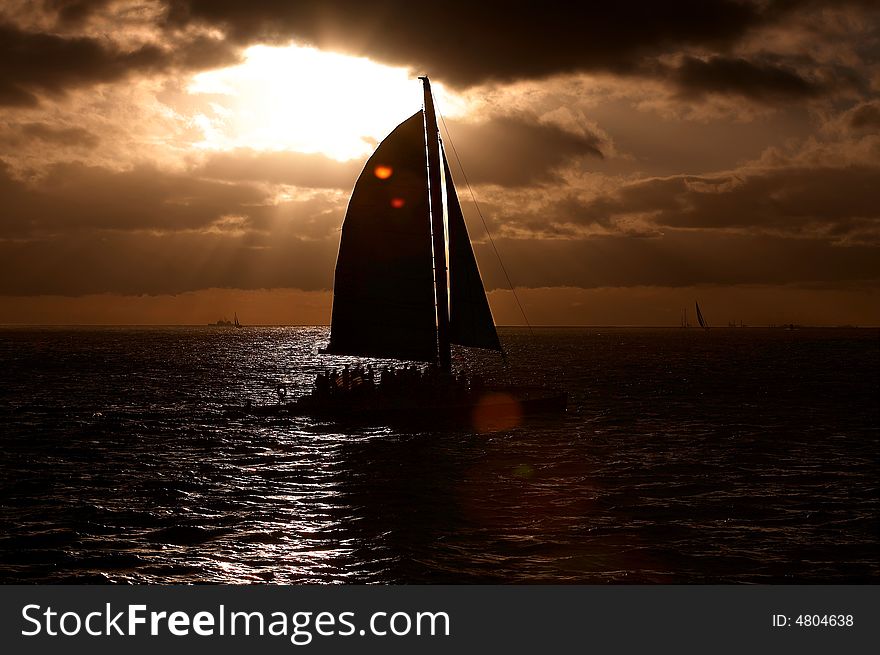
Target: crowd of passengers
(387,380)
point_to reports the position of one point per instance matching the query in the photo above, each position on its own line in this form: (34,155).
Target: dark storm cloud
(761,81)
(517,150)
(35,63)
(74,12)
(832,202)
(120,262)
(160,264)
(74,228)
(461,43)
(466,43)
(784,199)
(679,258)
(72,197)
(82,229)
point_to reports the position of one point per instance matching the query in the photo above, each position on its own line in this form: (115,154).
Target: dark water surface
(738,455)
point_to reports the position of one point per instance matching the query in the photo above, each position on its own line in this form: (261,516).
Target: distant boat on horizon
(700,319)
(225,322)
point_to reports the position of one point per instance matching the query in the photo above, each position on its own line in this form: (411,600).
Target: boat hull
(493,406)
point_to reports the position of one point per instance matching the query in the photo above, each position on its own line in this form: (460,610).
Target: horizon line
(509,325)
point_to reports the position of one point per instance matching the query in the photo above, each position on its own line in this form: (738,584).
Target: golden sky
(169,161)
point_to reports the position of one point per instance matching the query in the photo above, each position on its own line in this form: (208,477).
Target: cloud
(508,150)
(61,136)
(82,229)
(72,196)
(587,185)
(90,261)
(466,43)
(155,264)
(724,47)
(679,258)
(864,117)
(793,200)
(822,190)
(79,230)
(39,63)
(32,63)
(762,81)
(518,149)
(75,12)
(300,169)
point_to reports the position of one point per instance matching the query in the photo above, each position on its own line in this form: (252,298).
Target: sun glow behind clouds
(303,99)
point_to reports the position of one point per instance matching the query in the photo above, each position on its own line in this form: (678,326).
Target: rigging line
(485,226)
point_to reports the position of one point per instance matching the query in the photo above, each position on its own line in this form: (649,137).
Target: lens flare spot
(496,411)
(523,471)
(383,172)
(397,203)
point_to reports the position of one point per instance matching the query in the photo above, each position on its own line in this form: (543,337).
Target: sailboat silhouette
(386,301)
(395,294)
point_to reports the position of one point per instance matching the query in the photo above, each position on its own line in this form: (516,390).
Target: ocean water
(733,455)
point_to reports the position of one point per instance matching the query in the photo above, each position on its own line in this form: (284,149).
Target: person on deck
(322,384)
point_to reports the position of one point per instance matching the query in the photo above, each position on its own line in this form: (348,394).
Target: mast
(444,348)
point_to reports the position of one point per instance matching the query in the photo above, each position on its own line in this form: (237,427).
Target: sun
(306,100)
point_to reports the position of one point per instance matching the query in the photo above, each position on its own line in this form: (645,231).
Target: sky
(178,161)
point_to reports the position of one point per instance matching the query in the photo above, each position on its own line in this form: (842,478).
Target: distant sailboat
(394,295)
(225,322)
(700,319)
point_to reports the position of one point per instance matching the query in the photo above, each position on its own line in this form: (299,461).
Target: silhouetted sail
(702,321)
(383,294)
(470,319)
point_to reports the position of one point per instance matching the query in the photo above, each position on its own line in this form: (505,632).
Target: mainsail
(470,319)
(390,292)
(383,293)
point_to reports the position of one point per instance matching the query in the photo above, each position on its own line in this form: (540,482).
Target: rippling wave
(741,455)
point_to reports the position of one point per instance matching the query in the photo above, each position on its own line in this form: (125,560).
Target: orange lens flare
(397,203)
(496,411)
(523,471)
(383,172)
